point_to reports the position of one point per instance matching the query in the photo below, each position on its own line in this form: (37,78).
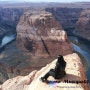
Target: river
(6,40)
(80,45)
(83,47)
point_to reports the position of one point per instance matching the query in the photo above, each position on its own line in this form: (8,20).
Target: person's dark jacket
(60,68)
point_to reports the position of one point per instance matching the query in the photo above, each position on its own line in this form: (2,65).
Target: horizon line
(45,1)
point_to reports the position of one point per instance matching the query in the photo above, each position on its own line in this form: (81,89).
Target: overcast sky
(48,0)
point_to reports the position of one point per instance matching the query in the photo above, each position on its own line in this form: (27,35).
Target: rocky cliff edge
(74,69)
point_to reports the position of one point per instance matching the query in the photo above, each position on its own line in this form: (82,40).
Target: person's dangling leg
(44,78)
(50,73)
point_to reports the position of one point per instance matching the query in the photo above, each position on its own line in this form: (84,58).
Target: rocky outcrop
(74,72)
(83,24)
(42,35)
(41,38)
(66,16)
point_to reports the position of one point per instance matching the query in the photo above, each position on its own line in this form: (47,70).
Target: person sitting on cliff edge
(58,72)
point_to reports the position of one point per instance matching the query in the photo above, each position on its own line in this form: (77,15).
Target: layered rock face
(66,16)
(42,35)
(83,24)
(9,18)
(74,72)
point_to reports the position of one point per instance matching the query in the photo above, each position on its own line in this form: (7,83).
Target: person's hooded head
(60,58)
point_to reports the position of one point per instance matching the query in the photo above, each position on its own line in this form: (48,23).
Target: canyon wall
(75,20)
(66,16)
(9,18)
(75,74)
(83,24)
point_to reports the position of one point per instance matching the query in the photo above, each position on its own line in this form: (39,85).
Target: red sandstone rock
(74,69)
(42,35)
(41,39)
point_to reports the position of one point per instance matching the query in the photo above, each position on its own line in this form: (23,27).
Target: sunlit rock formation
(74,69)
(42,35)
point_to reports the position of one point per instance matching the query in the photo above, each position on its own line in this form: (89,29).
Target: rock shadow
(69,77)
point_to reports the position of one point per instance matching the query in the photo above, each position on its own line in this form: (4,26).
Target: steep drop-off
(75,73)
(66,16)
(9,18)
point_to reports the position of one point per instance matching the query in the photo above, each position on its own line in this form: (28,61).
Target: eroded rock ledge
(74,69)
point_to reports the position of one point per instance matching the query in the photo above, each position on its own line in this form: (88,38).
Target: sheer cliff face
(42,35)
(83,24)
(10,16)
(67,16)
